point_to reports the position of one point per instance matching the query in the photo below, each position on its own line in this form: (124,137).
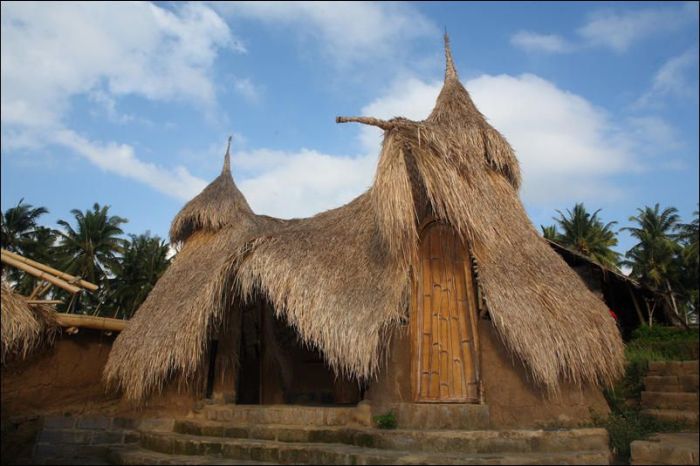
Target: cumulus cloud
(677,77)
(301,183)
(619,30)
(121,160)
(534,42)
(348,31)
(568,148)
(105,51)
(611,29)
(247,89)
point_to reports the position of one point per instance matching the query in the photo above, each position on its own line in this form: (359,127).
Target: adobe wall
(513,400)
(67,378)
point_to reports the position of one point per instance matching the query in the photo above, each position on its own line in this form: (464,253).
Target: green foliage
(586,233)
(386,420)
(626,425)
(626,422)
(135,274)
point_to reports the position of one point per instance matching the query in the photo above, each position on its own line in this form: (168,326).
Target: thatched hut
(25,327)
(432,286)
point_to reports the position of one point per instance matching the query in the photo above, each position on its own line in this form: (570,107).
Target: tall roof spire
(450,70)
(227,158)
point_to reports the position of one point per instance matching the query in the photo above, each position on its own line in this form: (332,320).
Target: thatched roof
(218,206)
(25,327)
(342,277)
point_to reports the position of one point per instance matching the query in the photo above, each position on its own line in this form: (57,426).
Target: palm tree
(18,225)
(144,260)
(689,236)
(654,258)
(90,249)
(586,234)
(550,232)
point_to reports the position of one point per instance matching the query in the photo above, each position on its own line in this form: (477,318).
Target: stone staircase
(671,391)
(227,434)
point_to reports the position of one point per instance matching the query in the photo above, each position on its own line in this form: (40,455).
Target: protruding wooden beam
(62,275)
(44,301)
(83,321)
(39,274)
(383,124)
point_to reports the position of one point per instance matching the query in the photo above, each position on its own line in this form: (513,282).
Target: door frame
(473,319)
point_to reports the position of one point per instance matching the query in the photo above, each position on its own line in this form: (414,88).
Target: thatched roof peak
(450,70)
(218,205)
(227,159)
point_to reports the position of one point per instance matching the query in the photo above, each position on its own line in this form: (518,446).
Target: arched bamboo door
(444,348)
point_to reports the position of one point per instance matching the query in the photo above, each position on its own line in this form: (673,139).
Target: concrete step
(681,448)
(673,368)
(288,415)
(324,453)
(674,415)
(663,400)
(443,441)
(671,383)
(140,456)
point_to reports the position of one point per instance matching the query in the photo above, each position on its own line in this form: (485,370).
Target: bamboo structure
(31,270)
(62,275)
(93,322)
(342,278)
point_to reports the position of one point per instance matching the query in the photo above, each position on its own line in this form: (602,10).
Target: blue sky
(130,104)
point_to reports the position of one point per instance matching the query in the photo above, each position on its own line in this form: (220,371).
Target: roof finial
(450,71)
(227,158)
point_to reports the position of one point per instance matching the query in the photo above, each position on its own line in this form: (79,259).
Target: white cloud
(120,159)
(56,52)
(534,42)
(615,30)
(302,183)
(247,89)
(619,30)
(677,77)
(348,31)
(568,148)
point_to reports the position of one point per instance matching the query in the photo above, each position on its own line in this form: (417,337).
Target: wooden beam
(62,275)
(44,301)
(39,274)
(84,321)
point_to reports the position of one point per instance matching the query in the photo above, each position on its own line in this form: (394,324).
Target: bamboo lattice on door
(443,318)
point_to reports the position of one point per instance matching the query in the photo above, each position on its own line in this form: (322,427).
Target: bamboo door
(445,359)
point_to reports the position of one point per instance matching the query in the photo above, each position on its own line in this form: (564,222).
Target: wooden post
(39,274)
(636,304)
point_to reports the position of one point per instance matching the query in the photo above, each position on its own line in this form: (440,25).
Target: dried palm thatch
(341,278)
(217,206)
(25,327)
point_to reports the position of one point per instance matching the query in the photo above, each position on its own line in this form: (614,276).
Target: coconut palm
(586,233)
(689,236)
(90,248)
(144,260)
(550,232)
(654,259)
(18,225)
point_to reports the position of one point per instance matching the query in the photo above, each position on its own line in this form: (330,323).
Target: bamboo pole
(84,321)
(39,274)
(44,301)
(62,275)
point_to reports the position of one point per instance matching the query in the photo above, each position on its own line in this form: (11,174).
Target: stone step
(444,441)
(663,400)
(671,383)
(140,456)
(681,448)
(673,368)
(288,415)
(674,415)
(322,453)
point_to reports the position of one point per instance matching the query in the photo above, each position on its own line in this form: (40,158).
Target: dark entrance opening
(277,368)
